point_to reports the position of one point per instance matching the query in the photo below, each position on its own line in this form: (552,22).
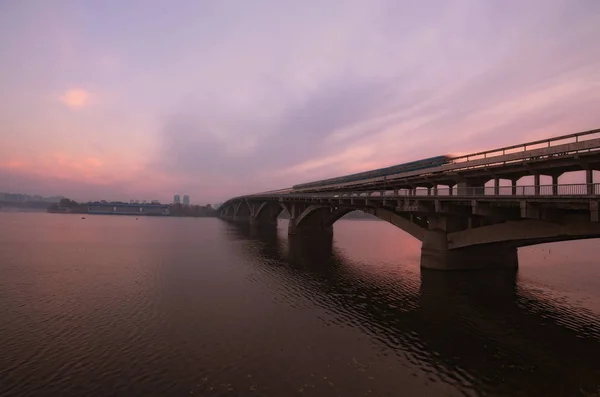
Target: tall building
(186,200)
(176,199)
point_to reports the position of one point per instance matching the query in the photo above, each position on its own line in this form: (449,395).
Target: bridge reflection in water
(484,333)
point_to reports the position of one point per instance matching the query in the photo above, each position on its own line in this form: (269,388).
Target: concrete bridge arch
(267,212)
(525,232)
(264,212)
(323,217)
(456,233)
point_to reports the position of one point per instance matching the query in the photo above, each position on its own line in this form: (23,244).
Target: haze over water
(165,306)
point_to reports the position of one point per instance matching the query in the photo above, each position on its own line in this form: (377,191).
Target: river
(183,306)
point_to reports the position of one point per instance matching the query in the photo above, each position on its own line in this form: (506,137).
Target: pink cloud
(75,98)
(315,95)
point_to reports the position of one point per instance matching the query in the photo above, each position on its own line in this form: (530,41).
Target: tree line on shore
(192,210)
(69,206)
(66,205)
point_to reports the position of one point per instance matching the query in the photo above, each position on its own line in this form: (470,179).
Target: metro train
(395,169)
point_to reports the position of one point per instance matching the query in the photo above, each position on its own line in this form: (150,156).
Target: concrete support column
(314,225)
(536,183)
(438,223)
(450,190)
(293,215)
(435,254)
(267,216)
(594,211)
(470,188)
(435,190)
(589,180)
(497,186)
(555,185)
(242,213)
(395,192)
(513,183)
(262,222)
(292,226)
(429,191)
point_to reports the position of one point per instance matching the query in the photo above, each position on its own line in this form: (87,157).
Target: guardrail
(565,145)
(523,147)
(566,190)
(562,191)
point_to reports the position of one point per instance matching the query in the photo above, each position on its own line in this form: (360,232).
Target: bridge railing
(523,147)
(558,147)
(564,190)
(583,189)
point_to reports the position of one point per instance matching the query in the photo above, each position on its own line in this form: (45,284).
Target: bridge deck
(559,154)
(464,224)
(582,191)
(552,156)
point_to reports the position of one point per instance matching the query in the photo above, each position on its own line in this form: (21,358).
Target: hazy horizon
(144,100)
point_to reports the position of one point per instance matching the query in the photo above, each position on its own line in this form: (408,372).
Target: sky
(145,99)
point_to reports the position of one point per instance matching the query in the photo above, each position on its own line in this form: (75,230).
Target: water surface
(180,306)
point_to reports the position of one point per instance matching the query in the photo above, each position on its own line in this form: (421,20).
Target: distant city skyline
(122,99)
(20,197)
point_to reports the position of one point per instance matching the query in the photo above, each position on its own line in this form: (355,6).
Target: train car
(380,172)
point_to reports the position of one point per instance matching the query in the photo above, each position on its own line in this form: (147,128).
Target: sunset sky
(144,99)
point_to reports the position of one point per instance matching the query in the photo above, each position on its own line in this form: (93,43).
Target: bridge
(469,211)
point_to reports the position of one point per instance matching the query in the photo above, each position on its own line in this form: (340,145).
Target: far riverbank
(67,206)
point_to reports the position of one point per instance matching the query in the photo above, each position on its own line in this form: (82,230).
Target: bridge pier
(589,180)
(435,254)
(263,222)
(555,184)
(451,189)
(316,230)
(470,188)
(308,220)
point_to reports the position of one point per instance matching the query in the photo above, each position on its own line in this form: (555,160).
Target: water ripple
(112,306)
